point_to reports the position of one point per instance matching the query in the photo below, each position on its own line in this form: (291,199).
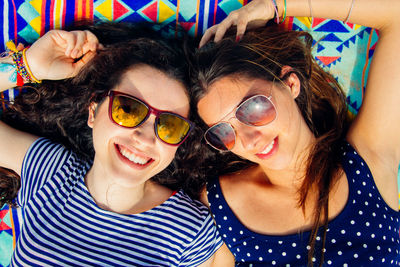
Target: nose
(249,136)
(145,134)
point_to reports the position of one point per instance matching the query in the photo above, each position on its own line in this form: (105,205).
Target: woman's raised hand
(253,15)
(60,54)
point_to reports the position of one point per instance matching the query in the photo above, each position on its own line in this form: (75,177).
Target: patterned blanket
(344,49)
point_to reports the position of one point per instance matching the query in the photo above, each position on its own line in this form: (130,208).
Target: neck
(112,196)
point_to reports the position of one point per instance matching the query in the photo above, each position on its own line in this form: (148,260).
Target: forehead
(155,88)
(226,94)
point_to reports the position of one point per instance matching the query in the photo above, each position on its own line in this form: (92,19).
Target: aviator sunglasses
(130,112)
(257,110)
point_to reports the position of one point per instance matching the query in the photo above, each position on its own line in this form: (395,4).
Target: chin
(129,178)
(277,163)
(130,181)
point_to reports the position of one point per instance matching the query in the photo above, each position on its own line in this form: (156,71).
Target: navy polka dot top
(365,233)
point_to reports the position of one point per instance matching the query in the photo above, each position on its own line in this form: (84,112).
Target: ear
(92,114)
(291,80)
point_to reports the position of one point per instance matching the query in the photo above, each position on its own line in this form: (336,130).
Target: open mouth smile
(134,160)
(268,150)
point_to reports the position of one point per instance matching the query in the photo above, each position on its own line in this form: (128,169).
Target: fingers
(70,39)
(253,13)
(79,43)
(207,35)
(77,66)
(241,28)
(224,26)
(91,42)
(85,49)
(219,30)
(77,50)
(237,17)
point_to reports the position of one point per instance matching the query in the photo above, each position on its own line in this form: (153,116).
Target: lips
(133,158)
(269,149)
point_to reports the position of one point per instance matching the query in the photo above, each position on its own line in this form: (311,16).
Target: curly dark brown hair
(59,109)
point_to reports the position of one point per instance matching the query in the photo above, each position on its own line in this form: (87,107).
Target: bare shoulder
(230,182)
(242,176)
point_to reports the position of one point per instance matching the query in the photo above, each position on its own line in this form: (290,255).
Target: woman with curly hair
(306,187)
(105,183)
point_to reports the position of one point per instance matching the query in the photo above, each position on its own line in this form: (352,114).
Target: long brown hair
(262,54)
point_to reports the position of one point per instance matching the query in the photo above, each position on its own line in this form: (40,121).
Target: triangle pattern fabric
(120,10)
(150,11)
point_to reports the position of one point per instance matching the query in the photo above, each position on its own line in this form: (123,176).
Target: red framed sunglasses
(130,112)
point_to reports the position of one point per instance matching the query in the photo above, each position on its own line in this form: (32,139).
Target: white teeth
(132,157)
(268,148)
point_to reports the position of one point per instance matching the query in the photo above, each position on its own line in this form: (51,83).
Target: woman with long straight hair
(300,185)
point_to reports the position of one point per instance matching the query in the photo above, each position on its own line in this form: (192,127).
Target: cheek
(102,128)
(100,137)
(167,154)
(293,114)
(287,111)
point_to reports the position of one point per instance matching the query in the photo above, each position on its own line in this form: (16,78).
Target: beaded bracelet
(24,74)
(19,63)
(32,77)
(12,52)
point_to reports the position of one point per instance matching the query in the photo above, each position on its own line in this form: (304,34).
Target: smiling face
(130,157)
(275,145)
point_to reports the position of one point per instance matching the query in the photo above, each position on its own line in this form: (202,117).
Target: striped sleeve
(204,245)
(42,160)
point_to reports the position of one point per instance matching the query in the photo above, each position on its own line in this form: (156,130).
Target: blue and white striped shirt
(64,227)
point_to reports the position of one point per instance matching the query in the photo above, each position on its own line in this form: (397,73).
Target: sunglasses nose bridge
(153,111)
(232,120)
(144,133)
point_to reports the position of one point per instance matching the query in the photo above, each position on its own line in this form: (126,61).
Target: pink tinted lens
(221,136)
(256,111)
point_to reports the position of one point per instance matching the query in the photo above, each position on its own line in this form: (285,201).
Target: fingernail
(238,38)
(75,53)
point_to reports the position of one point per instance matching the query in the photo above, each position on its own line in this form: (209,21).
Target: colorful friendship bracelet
(276,11)
(24,74)
(284,11)
(12,49)
(279,20)
(19,63)
(32,77)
